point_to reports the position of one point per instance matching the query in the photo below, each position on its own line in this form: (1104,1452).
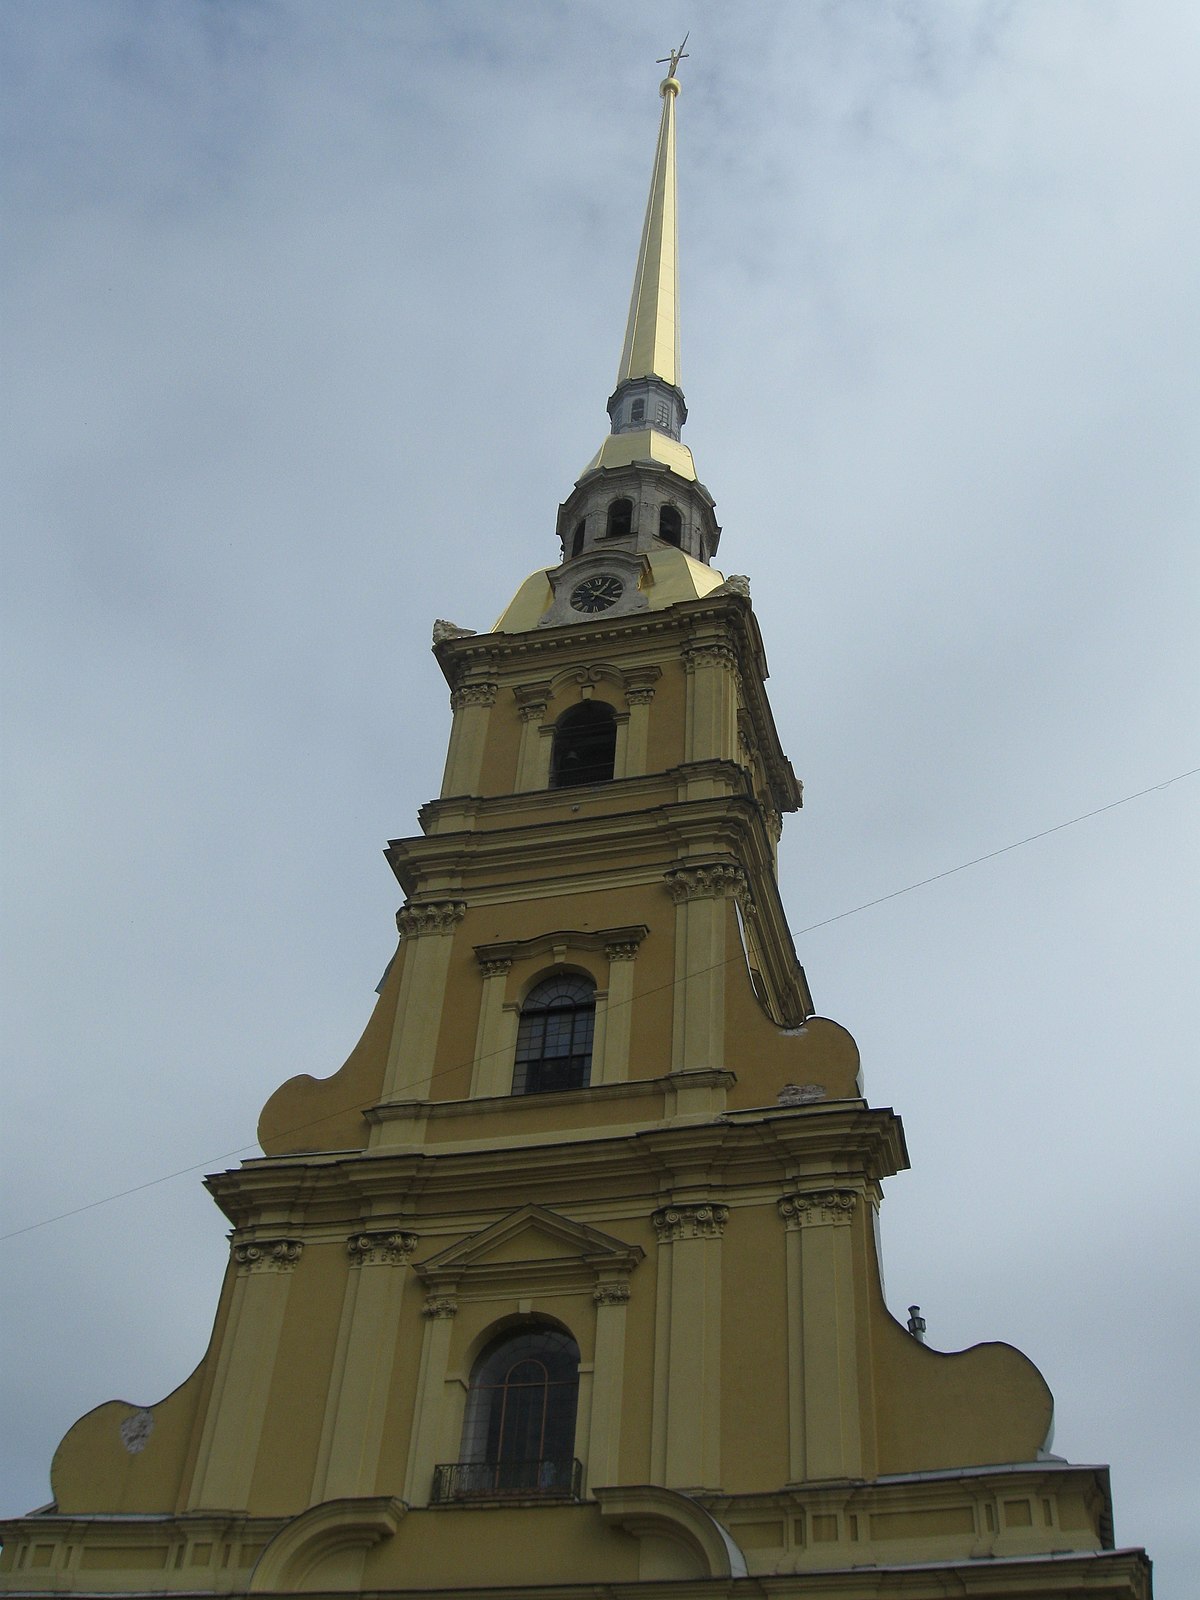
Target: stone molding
(391,1247)
(610,1294)
(473,694)
(712,880)
(823,1205)
(267,1255)
(703,1221)
(440,1305)
(437,916)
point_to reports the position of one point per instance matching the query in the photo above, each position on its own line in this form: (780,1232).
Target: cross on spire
(676,56)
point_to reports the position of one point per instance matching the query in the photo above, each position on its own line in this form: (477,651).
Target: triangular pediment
(532,1240)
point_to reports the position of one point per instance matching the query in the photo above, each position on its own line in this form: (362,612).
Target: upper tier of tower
(639,530)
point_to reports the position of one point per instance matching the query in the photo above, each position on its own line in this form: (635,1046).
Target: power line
(201,1166)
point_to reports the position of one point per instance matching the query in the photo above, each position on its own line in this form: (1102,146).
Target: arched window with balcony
(554,1035)
(519,1430)
(585,745)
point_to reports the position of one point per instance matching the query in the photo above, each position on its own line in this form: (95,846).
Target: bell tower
(570,1275)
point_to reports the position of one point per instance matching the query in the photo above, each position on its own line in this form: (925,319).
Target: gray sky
(312,312)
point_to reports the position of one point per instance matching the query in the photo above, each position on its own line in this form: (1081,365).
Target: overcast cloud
(312,312)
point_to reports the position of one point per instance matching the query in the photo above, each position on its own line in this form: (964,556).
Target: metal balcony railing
(491,1480)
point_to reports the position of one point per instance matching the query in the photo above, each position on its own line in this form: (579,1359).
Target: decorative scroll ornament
(439,1305)
(705,1221)
(611,1294)
(136,1430)
(443,630)
(736,583)
(473,694)
(801,1094)
(436,916)
(268,1255)
(826,1205)
(393,1249)
(713,880)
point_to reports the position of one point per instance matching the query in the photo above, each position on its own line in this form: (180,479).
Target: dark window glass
(554,1036)
(585,745)
(620,518)
(577,539)
(637,411)
(670,526)
(519,1432)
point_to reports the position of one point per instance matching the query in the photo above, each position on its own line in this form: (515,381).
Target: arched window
(585,745)
(519,1431)
(577,538)
(620,519)
(554,1036)
(637,411)
(670,526)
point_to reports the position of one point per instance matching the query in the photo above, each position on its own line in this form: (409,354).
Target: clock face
(598,593)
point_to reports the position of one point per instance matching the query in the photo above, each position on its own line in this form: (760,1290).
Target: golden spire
(647,407)
(652,335)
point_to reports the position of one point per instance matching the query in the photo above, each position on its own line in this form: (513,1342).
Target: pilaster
(471,704)
(823,1399)
(611,1057)
(711,732)
(245,1366)
(700,893)
(604,1432)
(495,1037)
(427,931)
(429,1419)
(348,1457)
(685,1450)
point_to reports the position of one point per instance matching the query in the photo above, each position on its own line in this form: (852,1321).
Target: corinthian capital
(473,694)
(712,880)
(435,916)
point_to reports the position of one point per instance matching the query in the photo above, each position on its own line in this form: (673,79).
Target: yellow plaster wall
(93,1471)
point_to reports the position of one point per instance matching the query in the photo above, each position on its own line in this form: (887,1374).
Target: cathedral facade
(568,1282)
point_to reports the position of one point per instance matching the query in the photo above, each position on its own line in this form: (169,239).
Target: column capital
(390,1247)
(819,1206)
(473,694)
(704,1220)
(435,916)
(439,1305)
(713,653)
(267,1255)
(610,1294)
(494,966)
(708,880)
